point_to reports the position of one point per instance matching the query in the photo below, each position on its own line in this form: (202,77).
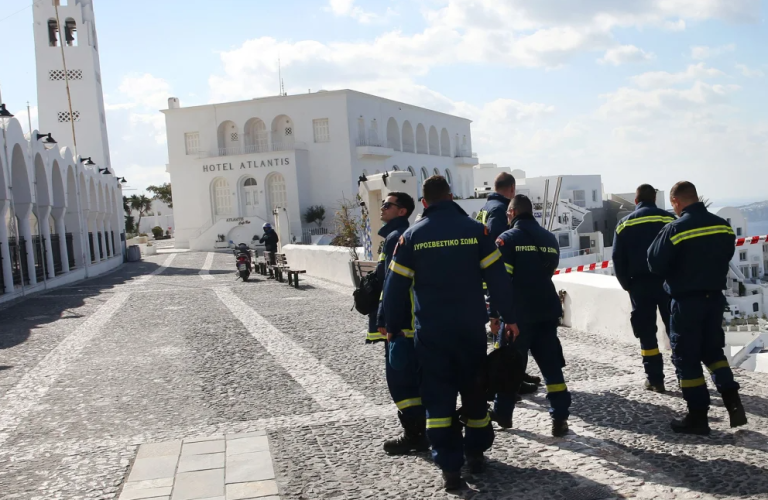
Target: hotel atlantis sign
(244,165)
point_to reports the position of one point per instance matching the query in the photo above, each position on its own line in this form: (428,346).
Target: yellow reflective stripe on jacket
(382,257)
(476,423)
(644,220)
(510,268)
(696,382)
(439,423)
(701,231)
(556,387)
(482,216)
(717,365)
(375,336)
(401,270)
(407,403)
(650,352)
(493,257)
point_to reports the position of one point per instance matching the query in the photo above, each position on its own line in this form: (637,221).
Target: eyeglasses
(387,204)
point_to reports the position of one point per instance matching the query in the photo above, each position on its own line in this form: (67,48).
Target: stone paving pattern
(92,373)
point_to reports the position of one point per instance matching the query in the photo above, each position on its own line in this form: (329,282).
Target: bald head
(504,184)
(682,195)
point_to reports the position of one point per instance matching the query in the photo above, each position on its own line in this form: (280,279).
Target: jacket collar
(695,208)
(523,220)
(393,225)
(645,204)
(498,197)
(446,206)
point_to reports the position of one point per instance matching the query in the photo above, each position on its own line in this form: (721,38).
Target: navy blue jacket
(391,232)
(531,255)
(693,253)
(270,239)
(634,235)
(439,266)
(494,214)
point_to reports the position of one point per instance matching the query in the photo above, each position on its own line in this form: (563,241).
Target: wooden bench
(281,266)
(362,268)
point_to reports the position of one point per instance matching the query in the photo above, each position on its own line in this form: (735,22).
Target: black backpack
(366,295)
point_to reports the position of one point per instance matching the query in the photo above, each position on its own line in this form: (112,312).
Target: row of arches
(255,137)
(70,33)
(424,173)
(422,141)
(56,214)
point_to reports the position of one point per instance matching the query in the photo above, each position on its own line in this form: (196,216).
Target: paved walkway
(100,378)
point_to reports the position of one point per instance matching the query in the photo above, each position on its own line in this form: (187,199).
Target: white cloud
(347,8)
(625,54)
(748,72)
(654,79)
(705,51)
(146,90)
(25,117)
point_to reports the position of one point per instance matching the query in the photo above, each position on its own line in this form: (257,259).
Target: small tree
(142,205)
(315,214)
(130,224)
(157,231)
(348,225)
(705,201)
(162,193)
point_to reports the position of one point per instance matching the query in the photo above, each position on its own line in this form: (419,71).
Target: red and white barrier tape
(750,240)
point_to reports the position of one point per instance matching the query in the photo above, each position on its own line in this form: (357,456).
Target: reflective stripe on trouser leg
(714,340)
(643,319)
(722,375)
(403,386)
(547,352)
(687,340)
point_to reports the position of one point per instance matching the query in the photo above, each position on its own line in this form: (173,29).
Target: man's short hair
(684,191)
(435,189)
(522,204)
(404,200)
(645,194)
(504,181)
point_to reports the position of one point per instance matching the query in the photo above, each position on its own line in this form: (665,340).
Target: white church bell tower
(74,31)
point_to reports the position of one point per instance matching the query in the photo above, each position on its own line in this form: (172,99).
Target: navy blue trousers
(451,364)
(648,295)
(541,340)
(697,337)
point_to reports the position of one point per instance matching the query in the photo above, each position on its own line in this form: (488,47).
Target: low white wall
(597,304)
(327,262)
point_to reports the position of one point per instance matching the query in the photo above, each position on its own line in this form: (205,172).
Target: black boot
(476,462)
(532,379)
(504,423)
(732,403)
(452,480)
(694,422)
(413,439)
(527,388)
(655,387)
(559,427)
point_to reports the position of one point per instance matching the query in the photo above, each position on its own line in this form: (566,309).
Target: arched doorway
(250,197)
(222,201)
(276,194)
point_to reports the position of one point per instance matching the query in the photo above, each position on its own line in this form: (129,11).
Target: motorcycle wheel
(244,275)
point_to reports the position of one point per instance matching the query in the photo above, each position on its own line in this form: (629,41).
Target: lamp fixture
(104,171)
(384,177)
(87,162)
(48,141)
(122,180)
(4,113)
(362,178)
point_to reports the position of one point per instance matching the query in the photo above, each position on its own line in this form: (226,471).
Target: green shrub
(157,232)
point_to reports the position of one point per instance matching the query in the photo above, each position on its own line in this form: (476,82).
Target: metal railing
(306,234)
(56,249)
(370,142)
(2,277)
(259,147)
(90,247)
(70,250)
(40,253)
(18,269)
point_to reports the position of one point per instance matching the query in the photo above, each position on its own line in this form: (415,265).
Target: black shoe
(476,462)
(413,440)
(559,427)
(527,388)
(532,379)
(732,403)
(655,387)
(504,423)
(518,398)
(694,422)
(452,480)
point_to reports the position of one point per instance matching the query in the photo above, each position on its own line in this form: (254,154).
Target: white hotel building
(233,165)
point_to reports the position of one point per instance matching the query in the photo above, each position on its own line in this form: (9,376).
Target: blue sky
(642,91)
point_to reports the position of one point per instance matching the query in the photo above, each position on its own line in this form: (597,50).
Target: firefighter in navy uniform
(693,255)
(403,384)
(439,266)
(531,255)
(494,216)
(634,235)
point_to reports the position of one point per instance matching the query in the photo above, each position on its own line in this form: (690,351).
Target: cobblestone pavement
(160,351)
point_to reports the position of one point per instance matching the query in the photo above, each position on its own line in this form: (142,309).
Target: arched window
(256,136)
(449,177)
(53,33)
(421,140)
(408,144)
(424,174)
(445,143)
(436,171)
(395,168)
(228,138)
(393,135)
(282,133)
(434,141)
(70,32)
(222,200)
(755,307)
(276,191)
(410,169)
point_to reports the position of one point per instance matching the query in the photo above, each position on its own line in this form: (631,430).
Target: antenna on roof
(279,77)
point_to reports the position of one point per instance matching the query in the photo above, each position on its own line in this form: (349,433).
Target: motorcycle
(243,261)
